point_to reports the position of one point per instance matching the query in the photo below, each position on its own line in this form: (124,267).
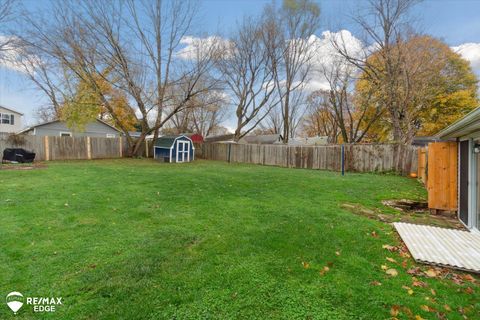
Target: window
(12,119)
(110,135)
(5,118)
(65,134)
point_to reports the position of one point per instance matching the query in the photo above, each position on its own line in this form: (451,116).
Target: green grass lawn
(136,239)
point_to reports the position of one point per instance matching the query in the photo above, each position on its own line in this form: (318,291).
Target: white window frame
(184,150)
(8,119)
(65,134)
(110,135)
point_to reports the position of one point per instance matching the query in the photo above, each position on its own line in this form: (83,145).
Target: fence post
(120,146)
(229,152)
(146,148)
(343,159)
(47,148)
(89,149)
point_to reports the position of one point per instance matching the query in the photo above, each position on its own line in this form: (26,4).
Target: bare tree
(320,120)
(385,24)
(354,117)
(292,26)
(136,43)
(6,15)
(246,66)
(51,78)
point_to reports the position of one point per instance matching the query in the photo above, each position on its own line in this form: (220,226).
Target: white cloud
(471,52)
(326,55)
(195,46)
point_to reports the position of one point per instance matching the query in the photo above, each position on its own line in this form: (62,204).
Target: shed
(466,133)
(174,149)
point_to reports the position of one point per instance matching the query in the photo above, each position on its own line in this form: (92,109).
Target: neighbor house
(10,120)
(309,141)
(262,139)
(466,132)
(223,138)
(58,128)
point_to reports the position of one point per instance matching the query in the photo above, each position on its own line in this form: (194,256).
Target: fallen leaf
(374,234)
(424,307)
(407,311)
(431,273)
(468,278)
(415,271)
(384,267)
(391,259)
(417,283)
(404,264)
(392,272)
(375,283)
(337,253)
(417,317)
(324,270)
(447,307)
(469,290)
(389,247)
(394,310)
(305,265)
(409,290)
(434,293)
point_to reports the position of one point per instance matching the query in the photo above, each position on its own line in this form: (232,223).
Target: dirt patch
(417,216)
(405,205)
(22,166)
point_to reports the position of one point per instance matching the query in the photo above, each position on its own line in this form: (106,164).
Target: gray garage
(58,128)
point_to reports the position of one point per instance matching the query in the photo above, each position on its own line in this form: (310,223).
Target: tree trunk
(286,120)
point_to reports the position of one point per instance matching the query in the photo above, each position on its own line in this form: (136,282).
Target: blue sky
(455,21)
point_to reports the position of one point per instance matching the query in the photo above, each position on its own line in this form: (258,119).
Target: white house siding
(17,122)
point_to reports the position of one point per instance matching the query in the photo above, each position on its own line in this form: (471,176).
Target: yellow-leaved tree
(85,105)
(434,86)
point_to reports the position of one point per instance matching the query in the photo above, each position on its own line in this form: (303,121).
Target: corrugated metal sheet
(439,246)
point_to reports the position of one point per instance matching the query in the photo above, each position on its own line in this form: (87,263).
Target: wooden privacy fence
(437,168)
(66,148)
(359,158)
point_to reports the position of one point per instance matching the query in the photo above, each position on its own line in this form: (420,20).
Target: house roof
(167,141)
(53,121)
(423,141)
(9,109)
(263,139)
(463,127)
(223,137)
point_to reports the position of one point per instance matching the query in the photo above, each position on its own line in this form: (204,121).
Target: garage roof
(463,127)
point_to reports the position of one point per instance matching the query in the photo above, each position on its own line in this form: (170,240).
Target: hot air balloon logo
(14,301)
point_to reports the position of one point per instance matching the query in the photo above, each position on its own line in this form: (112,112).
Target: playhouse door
(183,151)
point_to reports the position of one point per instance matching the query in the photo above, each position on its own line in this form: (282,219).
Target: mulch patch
(414,215)
(22,166)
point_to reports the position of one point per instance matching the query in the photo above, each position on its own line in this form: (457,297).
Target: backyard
(136,239)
